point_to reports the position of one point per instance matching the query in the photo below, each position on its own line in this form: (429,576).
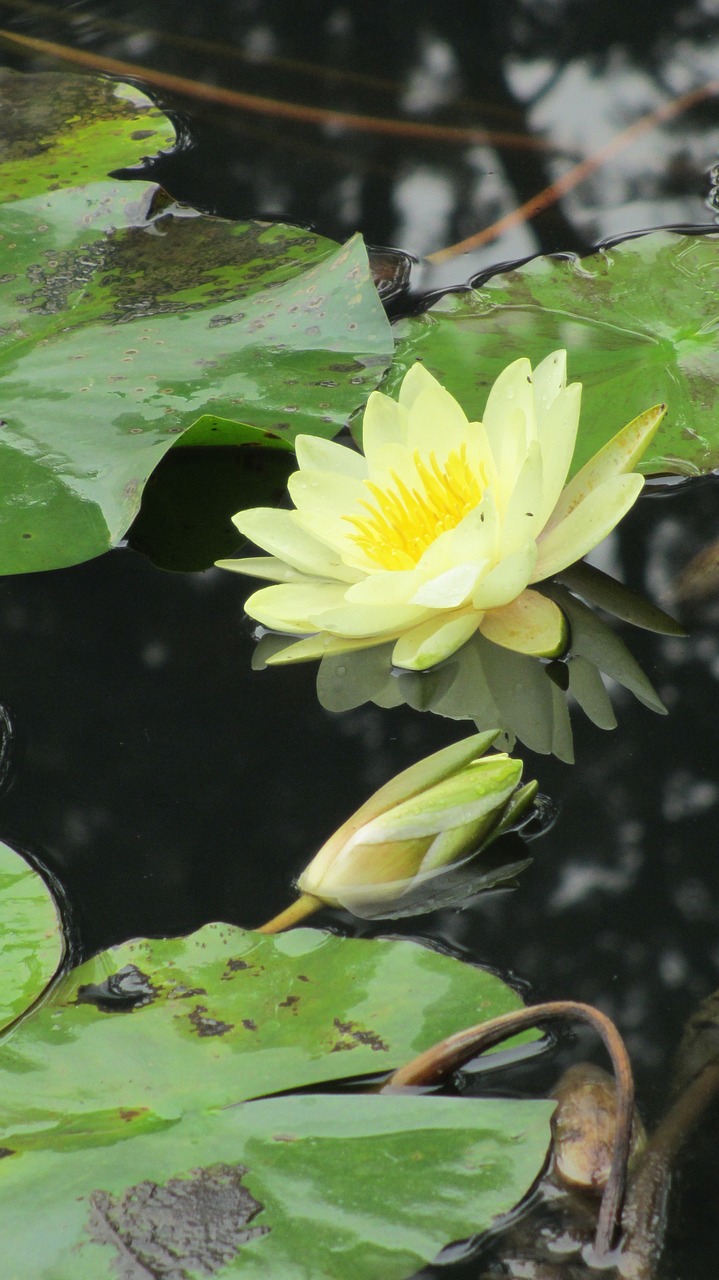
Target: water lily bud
(414,845)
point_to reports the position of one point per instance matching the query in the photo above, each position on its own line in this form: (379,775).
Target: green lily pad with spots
(225,1015)
(120,328)
(126,319)
(62,130)
(31,937)
(134,1126)
(355,1186)
(639,321)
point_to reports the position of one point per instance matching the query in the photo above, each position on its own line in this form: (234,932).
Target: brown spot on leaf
(206,1026)
(186,1227)
(289,1002)
(359,1035)
(249,1025)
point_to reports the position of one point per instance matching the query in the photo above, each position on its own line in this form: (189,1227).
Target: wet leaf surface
(639,321)
(363,1187)
(225,1014)
(125,318)
(31,938)
(131,1147)
(63,130)
(119,334)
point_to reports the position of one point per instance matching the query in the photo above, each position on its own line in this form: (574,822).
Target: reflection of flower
(397,854)
(444,524)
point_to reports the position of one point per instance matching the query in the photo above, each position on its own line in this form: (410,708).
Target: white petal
(549,378)
(618,457)
(510,420)
(319,646)
(436,423)
(367,619)
(416,380)
(531,624)
(506,580)
(449,589)
(315,454)
(393,586)
(586,525)
(384,422)
(433,641)
(391,461)
(522,515)
(278,532)
(293,607)
(263,567)
(323,501)
(476,538)
(557,438)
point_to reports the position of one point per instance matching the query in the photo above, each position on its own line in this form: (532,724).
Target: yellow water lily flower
(444,525)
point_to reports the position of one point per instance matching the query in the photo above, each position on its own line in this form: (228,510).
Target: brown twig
(643,1217)
(437,1063)
(196,44)
(551,194)
(300,112)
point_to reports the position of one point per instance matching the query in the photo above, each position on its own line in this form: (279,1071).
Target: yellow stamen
(402,522)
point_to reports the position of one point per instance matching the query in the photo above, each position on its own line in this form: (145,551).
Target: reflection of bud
(409,847)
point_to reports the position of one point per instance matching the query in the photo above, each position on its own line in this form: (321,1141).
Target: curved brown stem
(438,1062)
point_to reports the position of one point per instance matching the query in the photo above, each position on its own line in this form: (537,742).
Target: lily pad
(31,937)
(225,1015)
(62,130)
(132,1148)
(639,320)
(117,333)
(367,1187)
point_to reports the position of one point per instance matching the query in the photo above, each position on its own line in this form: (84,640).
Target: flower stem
(305,905)
(436,1063)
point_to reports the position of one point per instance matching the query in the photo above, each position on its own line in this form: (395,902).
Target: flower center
(402,522)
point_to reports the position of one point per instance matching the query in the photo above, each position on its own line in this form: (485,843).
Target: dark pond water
(164,782)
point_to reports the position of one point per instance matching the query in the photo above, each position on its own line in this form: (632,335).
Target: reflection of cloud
(686,796)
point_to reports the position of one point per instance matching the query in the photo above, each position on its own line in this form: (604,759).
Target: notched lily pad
(639,320)
(117,337)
